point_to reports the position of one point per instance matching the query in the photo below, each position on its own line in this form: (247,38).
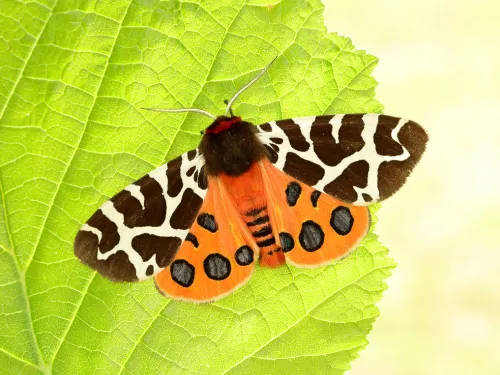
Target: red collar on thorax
(223,125)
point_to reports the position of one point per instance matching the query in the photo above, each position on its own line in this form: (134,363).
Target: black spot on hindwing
(341,220)
(217,266)
(182,272)
(287,242)
(293,191)
(192,238)
(244,255)
(314,198)
(311,236)
(207,221)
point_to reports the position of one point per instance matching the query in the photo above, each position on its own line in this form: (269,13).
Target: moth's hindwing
(136,234)
(361,158)
(218,256)
(313,228)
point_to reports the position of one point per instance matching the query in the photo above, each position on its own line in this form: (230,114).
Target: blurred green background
(440,66)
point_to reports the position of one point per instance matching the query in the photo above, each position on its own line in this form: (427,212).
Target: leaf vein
(35,43)
(304,316)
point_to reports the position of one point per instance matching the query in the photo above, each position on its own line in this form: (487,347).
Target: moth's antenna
(230,103)
(200,111)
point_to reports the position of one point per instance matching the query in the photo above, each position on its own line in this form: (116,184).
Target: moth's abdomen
(249,196)
(257,220)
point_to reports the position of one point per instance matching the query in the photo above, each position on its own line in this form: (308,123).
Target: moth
(293,191)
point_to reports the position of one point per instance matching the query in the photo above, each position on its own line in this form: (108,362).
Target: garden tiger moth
(292,191)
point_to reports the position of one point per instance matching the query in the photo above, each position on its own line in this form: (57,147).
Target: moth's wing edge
(136,233)
(357,158)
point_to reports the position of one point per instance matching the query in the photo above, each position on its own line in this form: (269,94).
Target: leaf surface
(74,77)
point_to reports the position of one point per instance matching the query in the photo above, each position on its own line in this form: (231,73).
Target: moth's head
(222,123)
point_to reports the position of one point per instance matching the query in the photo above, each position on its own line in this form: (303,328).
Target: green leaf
(72,134)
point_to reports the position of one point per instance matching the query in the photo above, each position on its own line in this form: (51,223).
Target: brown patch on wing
(393,174)
(174,177)
(276,140)
(203,179)
(304,170)
(271,154)
(367,197)
(108,229)
(384,143)
(116,268)
(295,137)
(165,248)
(191,154)
(185,213)
(356,174)
(353,120)
(155,206)
(266,127)
(350,141)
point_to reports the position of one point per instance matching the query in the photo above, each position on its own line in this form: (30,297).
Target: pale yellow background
(440,66)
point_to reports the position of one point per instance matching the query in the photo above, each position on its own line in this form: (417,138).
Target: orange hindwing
(217,256)
(312,227)
(295,222)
